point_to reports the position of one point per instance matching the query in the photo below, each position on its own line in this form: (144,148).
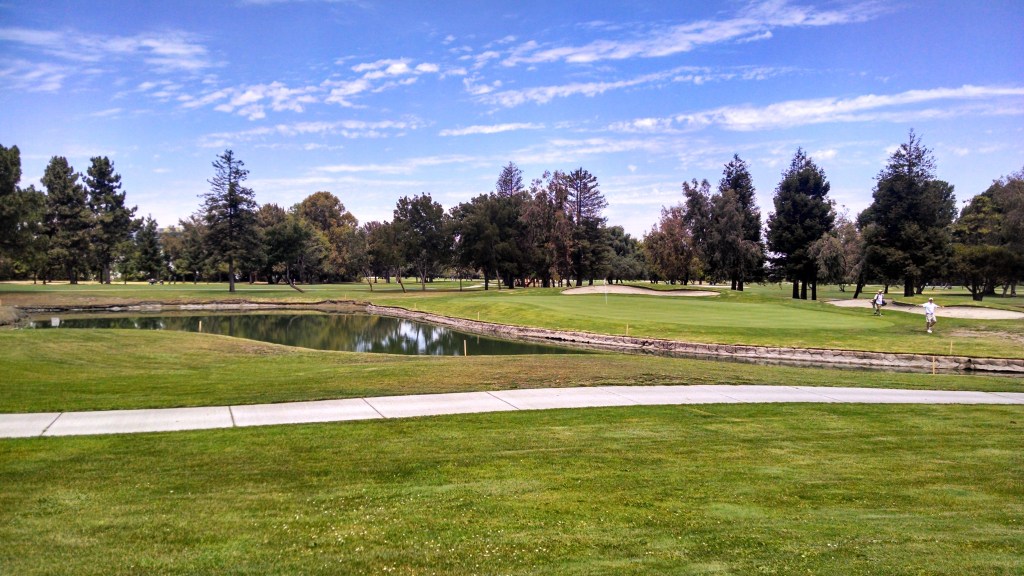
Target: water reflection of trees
(350,332)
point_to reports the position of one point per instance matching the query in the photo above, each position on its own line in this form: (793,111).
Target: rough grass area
(724,489)
(103,369)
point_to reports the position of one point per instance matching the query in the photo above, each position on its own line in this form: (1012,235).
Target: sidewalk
(202,418)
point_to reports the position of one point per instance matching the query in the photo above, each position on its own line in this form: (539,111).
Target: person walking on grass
(929,314)
(877,302)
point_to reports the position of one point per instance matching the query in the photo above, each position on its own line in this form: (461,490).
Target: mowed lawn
(711,489)
(762,315)
(715,489)
(105,369)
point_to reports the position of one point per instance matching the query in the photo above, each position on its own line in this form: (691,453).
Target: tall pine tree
(749,260)
(803,213)
(68,221)
(230,215)
(907,226)
(113,221)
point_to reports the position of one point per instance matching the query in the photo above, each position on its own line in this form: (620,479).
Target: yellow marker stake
(465,349)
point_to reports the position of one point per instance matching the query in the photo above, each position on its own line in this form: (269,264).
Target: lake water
(352,332)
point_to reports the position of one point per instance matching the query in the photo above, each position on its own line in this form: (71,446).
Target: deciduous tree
(421,234)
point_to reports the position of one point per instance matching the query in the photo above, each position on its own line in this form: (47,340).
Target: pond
(345,331)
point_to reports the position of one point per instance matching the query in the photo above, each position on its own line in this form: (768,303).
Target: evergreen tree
(749,261)
(510,181)
(906,228)
(149,256)
(113,220)
(584,204)
(803,213)
(68,221)
(21,212)
(230,215)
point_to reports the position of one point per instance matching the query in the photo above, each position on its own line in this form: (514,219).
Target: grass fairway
(65,370)
(711,489)
(762,315)
(726,489)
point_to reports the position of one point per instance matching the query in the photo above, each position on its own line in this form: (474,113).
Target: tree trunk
(803,289)
(908,287)
(814,290)
(796,289)
(231,275)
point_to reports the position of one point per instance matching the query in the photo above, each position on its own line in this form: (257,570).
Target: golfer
(929,314)
(877,302)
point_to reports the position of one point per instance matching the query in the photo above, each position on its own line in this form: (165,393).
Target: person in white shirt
(929,314)
(877,302)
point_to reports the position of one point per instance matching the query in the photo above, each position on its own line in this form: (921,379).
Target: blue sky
(377,100)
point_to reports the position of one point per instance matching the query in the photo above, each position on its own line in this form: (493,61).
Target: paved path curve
(203,418)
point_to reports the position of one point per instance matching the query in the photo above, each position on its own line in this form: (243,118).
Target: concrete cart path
(171,419)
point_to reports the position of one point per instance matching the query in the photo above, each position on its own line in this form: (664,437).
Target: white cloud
(349,129)
(110,112)
(491,129)
(402,167)
(544,94)
(168,51)
(980,100)
(33,76)
(756,23)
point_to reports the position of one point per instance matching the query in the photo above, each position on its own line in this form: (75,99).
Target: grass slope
(65,370)
(727,489)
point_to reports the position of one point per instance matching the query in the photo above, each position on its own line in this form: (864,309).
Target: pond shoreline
(839,358)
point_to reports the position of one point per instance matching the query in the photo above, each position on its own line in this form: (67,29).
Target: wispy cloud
(490,94)
(163,52)
(755,23)
(980,100)
(491,129)
(33,76)
(406,166)
(349,129)
(544,94)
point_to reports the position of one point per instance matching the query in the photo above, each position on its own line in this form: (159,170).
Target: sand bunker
(969,312)
(636,290)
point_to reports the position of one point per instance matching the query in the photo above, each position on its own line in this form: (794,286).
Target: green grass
(762,315)
(103,369)
(711,489)
(727,489)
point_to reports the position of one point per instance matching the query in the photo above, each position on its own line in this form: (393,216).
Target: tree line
(550,231)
